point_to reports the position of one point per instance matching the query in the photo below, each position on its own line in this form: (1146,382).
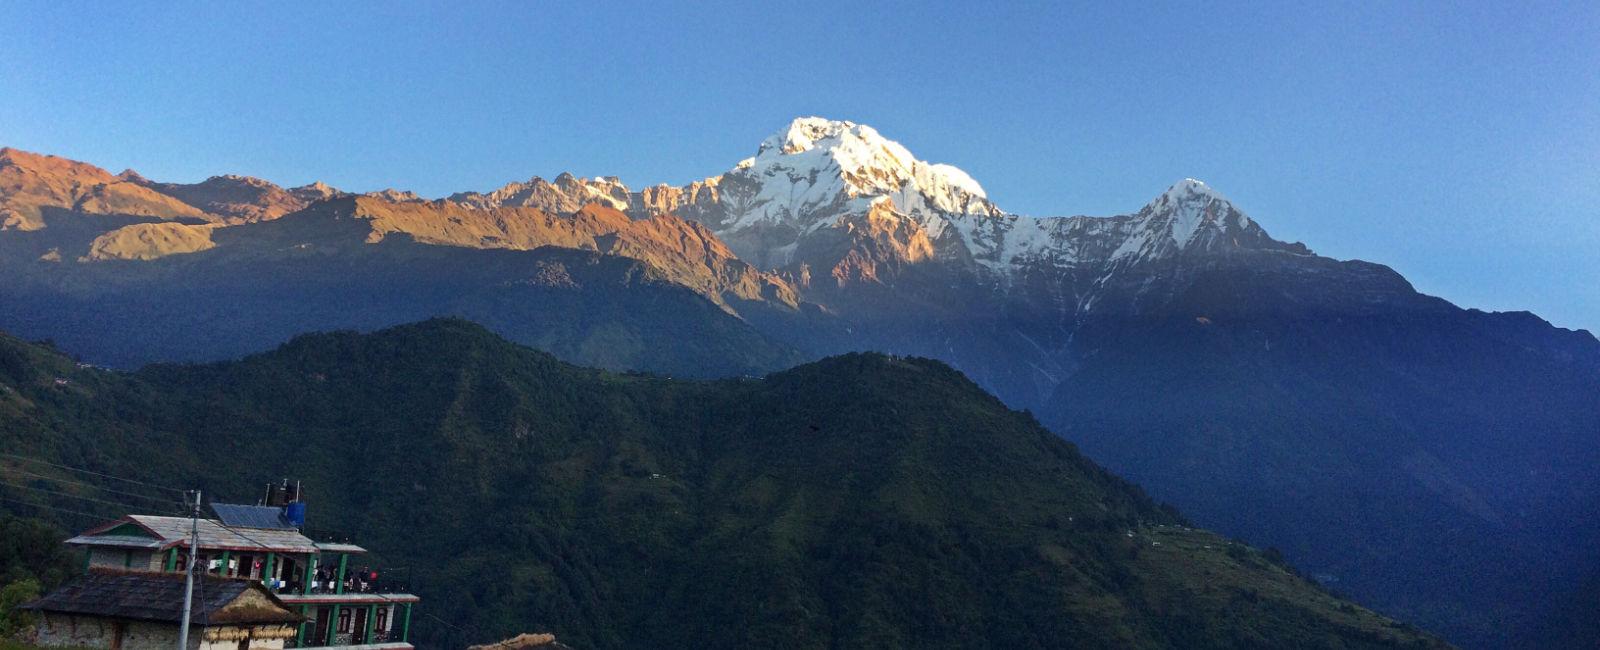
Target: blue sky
(1456,142)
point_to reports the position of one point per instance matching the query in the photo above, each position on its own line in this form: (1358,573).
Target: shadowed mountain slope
(858,501)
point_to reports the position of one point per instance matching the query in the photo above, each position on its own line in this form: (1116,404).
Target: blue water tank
(295,512)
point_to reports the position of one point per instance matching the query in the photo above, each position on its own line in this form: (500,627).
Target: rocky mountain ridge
(820,199)
(817,175)
(180,219)
(31,183)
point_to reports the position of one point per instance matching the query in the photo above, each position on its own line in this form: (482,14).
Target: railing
(347,638)
(312,638)
(351,585)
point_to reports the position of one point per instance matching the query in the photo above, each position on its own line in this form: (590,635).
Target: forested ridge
(859,501)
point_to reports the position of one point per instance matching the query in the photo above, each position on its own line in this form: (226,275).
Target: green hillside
(860,501)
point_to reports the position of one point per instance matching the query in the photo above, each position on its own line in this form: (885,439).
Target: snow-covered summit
(1191,197)
(1189,187)
(813,168)
(1187,206)
(861,153)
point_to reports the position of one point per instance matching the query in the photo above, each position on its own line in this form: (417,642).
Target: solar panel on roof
(243,516)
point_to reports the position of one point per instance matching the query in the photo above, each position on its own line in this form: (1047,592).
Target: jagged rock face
(659,199)
(396,196)
(837,197)
(237,199)
(31,183)
(567,194)
(569,213)
(316,191)
(685,252)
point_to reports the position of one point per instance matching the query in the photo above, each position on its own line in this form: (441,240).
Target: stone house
(140,610)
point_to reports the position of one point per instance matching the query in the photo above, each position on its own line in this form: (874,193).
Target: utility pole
(188,580)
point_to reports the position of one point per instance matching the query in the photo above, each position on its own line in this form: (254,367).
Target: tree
(12,619)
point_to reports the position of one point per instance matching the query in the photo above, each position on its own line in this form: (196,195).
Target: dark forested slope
(860,501)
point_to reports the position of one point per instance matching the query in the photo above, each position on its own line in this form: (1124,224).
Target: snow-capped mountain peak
(1187,192)
(1188,206)
(818,183)
(869,160)
(817,160)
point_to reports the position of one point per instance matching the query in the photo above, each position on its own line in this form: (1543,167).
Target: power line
(473,631)
(90,486)
(55,509)
(127,508)
(91,472)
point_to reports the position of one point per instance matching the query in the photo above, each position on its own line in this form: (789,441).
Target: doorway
(324,619)
(358,635)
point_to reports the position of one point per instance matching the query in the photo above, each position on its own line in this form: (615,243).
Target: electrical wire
(91,472)
(127,508)
(473,631)
(89,485)
(42,506)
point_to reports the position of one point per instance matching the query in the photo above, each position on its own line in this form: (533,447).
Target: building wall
(58,631)
(63,630)
(113,558)
(107,557)
(67,631)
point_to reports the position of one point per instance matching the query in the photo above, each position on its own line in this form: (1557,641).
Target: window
(344,619)
(383,619)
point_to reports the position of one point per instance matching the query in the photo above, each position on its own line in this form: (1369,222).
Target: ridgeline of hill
(859,501)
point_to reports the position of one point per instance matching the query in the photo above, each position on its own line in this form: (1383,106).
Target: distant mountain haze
(1433,462)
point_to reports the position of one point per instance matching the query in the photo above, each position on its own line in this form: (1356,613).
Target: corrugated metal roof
(339,547)
(244,516)
(174,531)
(120,541)
(159,597)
